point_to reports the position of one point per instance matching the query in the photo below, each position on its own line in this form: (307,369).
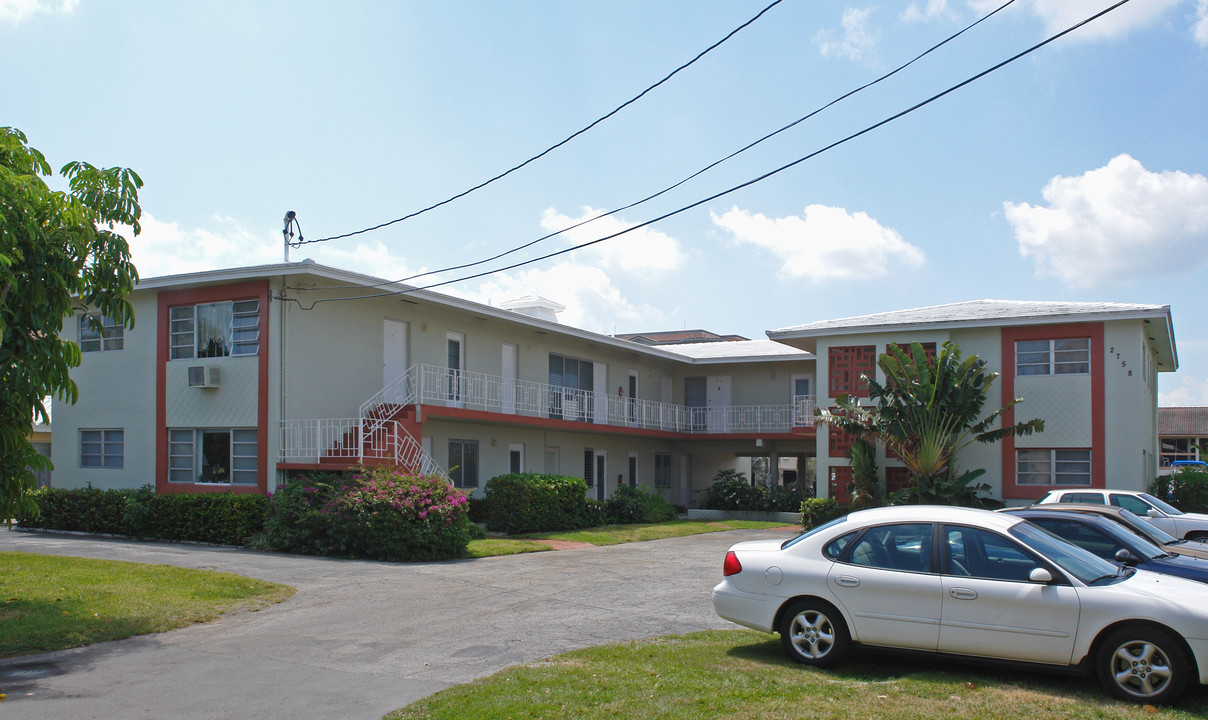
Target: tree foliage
(60,251)
(928,410)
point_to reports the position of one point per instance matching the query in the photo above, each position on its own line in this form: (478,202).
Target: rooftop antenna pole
(291,220)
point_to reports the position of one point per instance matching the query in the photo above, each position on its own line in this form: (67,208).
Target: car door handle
(847,581)
(963,594)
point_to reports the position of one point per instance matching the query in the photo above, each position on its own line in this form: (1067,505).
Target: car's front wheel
(813,633)
(1142,664)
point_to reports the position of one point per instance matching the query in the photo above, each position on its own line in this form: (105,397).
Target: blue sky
(1075,173)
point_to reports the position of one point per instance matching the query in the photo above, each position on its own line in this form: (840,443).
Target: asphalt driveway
(360,639)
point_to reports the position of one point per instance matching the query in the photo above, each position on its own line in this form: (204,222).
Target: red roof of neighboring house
(1183,421)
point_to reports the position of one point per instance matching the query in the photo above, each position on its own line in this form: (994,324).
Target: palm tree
(926,413)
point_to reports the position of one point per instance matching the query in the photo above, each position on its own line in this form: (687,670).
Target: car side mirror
(1154,513)
(1040,575)
(1125,556)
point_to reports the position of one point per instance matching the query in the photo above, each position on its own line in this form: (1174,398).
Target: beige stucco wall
(1130,390)
(117,391)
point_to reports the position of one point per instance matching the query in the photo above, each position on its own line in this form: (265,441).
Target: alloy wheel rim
(812,634)
(1141,669)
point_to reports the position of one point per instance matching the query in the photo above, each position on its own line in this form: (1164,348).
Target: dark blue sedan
(1112,541)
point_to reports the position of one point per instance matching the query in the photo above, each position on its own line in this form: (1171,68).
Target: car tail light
(731,566)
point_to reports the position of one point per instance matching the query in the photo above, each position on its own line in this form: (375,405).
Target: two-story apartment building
(1089,370)
(232,378)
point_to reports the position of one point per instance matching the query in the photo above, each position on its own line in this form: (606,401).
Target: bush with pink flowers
(379,513)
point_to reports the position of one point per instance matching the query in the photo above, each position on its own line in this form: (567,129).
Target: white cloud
(1115,224)
(644,251)
(827,243)
(931,10)
(15,11)
(857,40)
(1057,15)
(592,301)
(167,249)
(1199,30)
(1191,392)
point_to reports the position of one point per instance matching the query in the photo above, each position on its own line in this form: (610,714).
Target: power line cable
(741,186)
(300,242)
(708,167)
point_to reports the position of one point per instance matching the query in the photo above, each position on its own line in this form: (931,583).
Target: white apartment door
(600,384)
(394,350)
(601,474)
(665,416)
(803,399)
(456,364)
(717,400)
(507,386)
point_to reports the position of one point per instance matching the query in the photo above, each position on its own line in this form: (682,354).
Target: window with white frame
(217,329)
(662,470)
(516,457)
(100,333)
(589,467)
(463,463)
(1051,466)
(102,448)
(223,456)
(573,382)
(1064,356)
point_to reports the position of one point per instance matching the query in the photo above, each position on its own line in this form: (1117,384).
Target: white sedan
(1192,526)
(970,583)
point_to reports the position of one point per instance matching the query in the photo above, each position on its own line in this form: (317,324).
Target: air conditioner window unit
(203,376)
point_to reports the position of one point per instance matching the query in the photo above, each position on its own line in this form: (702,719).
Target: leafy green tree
(865,488)
(928,410)
(59,252)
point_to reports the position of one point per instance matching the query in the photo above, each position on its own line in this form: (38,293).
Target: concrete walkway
(359,638)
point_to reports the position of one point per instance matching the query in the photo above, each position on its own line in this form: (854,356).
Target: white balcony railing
(433,385)
(316,441)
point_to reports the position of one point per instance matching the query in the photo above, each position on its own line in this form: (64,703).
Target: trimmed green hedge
(733,492)
(220,518)
(633,504)
(819,511)
(520,503)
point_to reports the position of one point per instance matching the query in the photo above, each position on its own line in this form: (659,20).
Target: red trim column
(248,290)
(1010,490)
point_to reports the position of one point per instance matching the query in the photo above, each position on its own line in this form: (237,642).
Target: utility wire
(703,170)
(550,149)
(746,184)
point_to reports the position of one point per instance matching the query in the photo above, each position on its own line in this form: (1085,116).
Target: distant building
(1180,430)
(678,337)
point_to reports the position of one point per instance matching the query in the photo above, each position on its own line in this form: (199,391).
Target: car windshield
(1164,507)
(808,533)
(1147,529)
(1128,538)
(1070,558)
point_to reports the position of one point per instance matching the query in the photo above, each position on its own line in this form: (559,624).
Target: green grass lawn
(610,535)
(743,674)
(617,534)
(49,602)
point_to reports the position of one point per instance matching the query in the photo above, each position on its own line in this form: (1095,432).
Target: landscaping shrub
(819,511)
(632,504)
(478,510)
(380,513)
(528,502)
(1186,489)
(731,491)
(222,518)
